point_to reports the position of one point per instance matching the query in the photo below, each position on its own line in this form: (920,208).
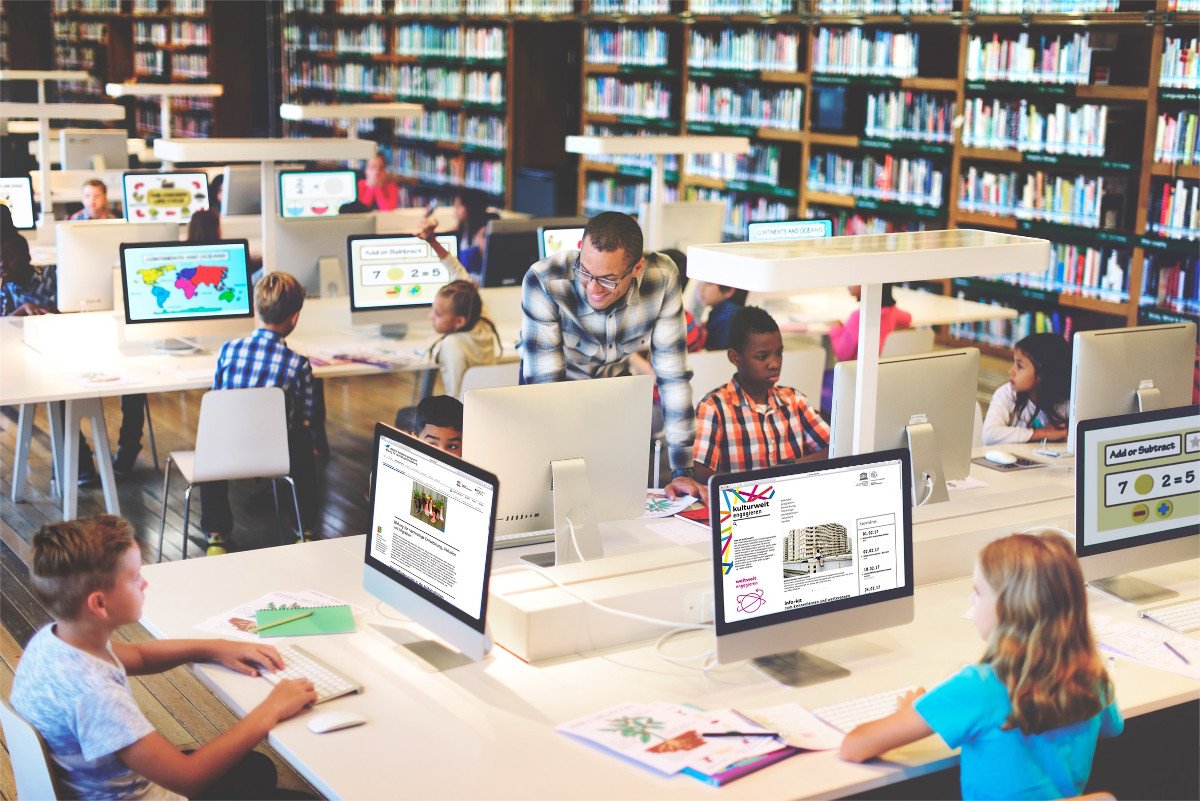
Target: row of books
(187,32)
(370,40)
(605,95)
(189,6)
(1180,63)
(630,6)
(189,66)
(1044,6)
(884,6)
(609,194)
(407,80)
(759,165)
(776,49)
(148,62)
(150,33)
(439,168)
(1177,138)
(847,222)
(919,116)
(623,44)
(892,178)
(1171,282)
(360,6)
(1078,270)
(1057,60)
(740,210)
(1183,5)
(1032,196)
(855,51)
(1006,333)
(541,7)
(148,122)
(1022,124)
(1175,210)
(82,31)
(304,6)
(451,40)
(460,127)
(740,6)
(316,38)
(360,128)
(640,160)
(758,106)
(88,6)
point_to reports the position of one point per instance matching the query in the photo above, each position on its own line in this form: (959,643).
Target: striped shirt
(563,337)
(733,433)
(263,359)
(41,289)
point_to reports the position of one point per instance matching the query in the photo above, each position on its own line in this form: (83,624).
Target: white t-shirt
(996,427)
(461,350)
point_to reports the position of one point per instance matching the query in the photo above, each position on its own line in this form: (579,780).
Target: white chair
(242,434)
(903,341)
(488,376)
(803,370)
(710,369)
(30,758)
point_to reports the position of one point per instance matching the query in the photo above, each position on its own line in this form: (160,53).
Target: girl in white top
(1034,404)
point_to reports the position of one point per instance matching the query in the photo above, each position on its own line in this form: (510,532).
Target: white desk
(486,730)
(815,311)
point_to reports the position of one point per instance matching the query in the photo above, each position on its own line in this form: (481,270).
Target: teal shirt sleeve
(1111,721)
(961,707)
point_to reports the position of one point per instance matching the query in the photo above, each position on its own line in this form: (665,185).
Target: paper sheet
(798,726)
(1147,645)
(659,505)
(239,621)
(104,378)
(680,532)
(970,482)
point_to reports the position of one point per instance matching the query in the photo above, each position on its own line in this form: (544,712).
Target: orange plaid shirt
(734,434)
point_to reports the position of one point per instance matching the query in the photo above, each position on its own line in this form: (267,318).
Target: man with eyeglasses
(587,311)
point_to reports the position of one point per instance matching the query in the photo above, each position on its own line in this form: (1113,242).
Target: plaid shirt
(734,434)
(563,337)
(41,290)
(263,359)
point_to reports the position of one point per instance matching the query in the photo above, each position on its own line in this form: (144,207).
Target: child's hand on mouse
(245,657)
(1052,434)
(289,698)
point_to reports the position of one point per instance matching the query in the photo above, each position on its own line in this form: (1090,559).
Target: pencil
(275,623)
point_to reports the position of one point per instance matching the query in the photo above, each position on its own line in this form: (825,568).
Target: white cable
(380,606)
(574,540)
(682,661)
(928,490)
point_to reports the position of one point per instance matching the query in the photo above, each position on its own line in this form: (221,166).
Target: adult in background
(378,191)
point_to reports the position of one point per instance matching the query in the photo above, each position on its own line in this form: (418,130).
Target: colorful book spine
(316,38)
(848,7)
(1101,273)
(1032,196)
(625,44)
(1177,138)
(759,165)
(1024,126)
(632,7)
(1044,6)
(855,51)
(1048,60)
(740,7)
(639,160)
(187,32)
(1171,282)
(486,175)
(1180,63)
(913,116)
(757,106)
(289,6)
(605,95)
(450,41)
(740,211)
(891,178)
(1183,6)
(775,49)
(1006,333)
(442,125)
(610,194)
(1175,210)
(360,6)
(847,222)
(541,7)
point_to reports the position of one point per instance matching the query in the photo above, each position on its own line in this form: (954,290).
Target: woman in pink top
(844,338)
(378,191)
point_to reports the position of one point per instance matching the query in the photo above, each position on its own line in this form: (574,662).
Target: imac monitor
(241,192)
(552,239)
(89,251)
(429,548)
(315,194)
(16,192)
(925,402)
(393,279)
(788,230)
(152,197)
(1137,495)
(93,149)
(302,245)
(1123,370)
(810,552)
(512,247)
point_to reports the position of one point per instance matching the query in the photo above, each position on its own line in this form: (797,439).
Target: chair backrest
(30,757)
(242,434)
(489,376)
(803,370)
(710,369)
(903,341)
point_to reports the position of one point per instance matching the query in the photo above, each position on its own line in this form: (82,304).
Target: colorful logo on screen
(734,499)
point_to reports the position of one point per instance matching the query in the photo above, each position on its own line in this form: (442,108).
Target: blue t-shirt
(719,321)
(968,710)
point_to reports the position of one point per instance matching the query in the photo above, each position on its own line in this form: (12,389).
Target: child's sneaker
(217,545)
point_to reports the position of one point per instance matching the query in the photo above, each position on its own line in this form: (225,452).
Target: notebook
(323,620)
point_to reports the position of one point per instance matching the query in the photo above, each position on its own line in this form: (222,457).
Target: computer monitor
(315,193)
(186,291)
(810,552)
(924,402)
(512,247)
(551,240)
(429,547)
(241,191)
(93,149)
(301,246)
(393,279)
(152,197)
(1137,496)
(16,192)
(1123,370)
(693,222)
(788,230)
(89,251)
(573,449)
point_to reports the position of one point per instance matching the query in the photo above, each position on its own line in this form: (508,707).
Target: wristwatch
(690,472)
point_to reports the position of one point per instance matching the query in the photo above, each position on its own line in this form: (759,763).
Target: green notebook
(323,620)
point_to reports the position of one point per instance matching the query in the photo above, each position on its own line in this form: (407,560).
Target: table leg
(68,471)
(54,413)
(95,410)
(21,451)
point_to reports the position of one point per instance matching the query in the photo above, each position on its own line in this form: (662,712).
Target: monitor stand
(177,347)
(576,533)
(926,461)
(393,330)
(799,668)
(1149,399)
(1132,590)
(432,653)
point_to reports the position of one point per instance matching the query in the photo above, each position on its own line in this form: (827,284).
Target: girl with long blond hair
(1028,715)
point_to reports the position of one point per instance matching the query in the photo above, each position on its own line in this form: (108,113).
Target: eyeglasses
(608,283)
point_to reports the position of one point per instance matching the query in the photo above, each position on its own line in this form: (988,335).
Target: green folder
(323,620)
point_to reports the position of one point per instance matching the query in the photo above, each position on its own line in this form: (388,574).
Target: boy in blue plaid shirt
(263,359)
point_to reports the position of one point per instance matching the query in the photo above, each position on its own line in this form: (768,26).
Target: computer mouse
(335,720)
(1000,457)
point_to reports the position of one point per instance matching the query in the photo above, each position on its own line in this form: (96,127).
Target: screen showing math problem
(388,272)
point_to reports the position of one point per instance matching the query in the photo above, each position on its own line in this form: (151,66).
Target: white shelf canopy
(296,112)
(164,89)
(652,145)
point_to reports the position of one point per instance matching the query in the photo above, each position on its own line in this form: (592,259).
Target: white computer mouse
(335,720)
(1000,457)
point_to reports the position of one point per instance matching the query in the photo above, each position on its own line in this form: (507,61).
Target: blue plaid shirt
(563,337)
(41,290)
(263,359)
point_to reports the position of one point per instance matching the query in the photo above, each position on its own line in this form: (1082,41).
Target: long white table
(486,730)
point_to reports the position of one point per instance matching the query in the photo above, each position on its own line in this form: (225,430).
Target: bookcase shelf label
(1078,235)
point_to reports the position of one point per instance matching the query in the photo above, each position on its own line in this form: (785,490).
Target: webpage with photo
(820,536)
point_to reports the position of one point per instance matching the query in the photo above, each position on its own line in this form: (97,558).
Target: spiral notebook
(323,620)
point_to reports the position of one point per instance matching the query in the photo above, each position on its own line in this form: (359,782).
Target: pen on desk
(1182,658)
(291,619)
(740,734)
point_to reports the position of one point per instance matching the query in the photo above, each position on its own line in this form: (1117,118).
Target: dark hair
(614,230)
(738,297)
(888,300)
(216,185)
(354,207)
(1050,355)
(277,296)
(204,227)
(442,411)
(750,320)
(476,204)
(8,226)
(466,302)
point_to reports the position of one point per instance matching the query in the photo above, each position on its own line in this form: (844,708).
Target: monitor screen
(164,196)
(553,240)
(395,272)
(432,525)
(316,194)
(17,194)
(785,230)
(1137,479)
(808,539)
(173,282)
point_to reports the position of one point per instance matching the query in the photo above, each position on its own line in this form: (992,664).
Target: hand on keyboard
(289,698)
(250,658)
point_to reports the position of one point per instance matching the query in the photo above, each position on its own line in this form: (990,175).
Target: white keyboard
(1182,616)
(300,664)
(849,714)
(524,538)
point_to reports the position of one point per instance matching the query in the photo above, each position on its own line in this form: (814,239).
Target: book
(323,620)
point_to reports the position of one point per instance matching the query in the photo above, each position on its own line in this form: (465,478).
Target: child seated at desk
(72,681)
(437,419)
(750,422)
(723,303)
(263,359)
(844,338)
(1035,401)
(1028,715)
(95,202)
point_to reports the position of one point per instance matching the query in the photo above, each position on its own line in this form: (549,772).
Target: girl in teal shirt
(1027,717)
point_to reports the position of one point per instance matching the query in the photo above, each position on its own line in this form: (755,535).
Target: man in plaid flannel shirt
(587,311)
